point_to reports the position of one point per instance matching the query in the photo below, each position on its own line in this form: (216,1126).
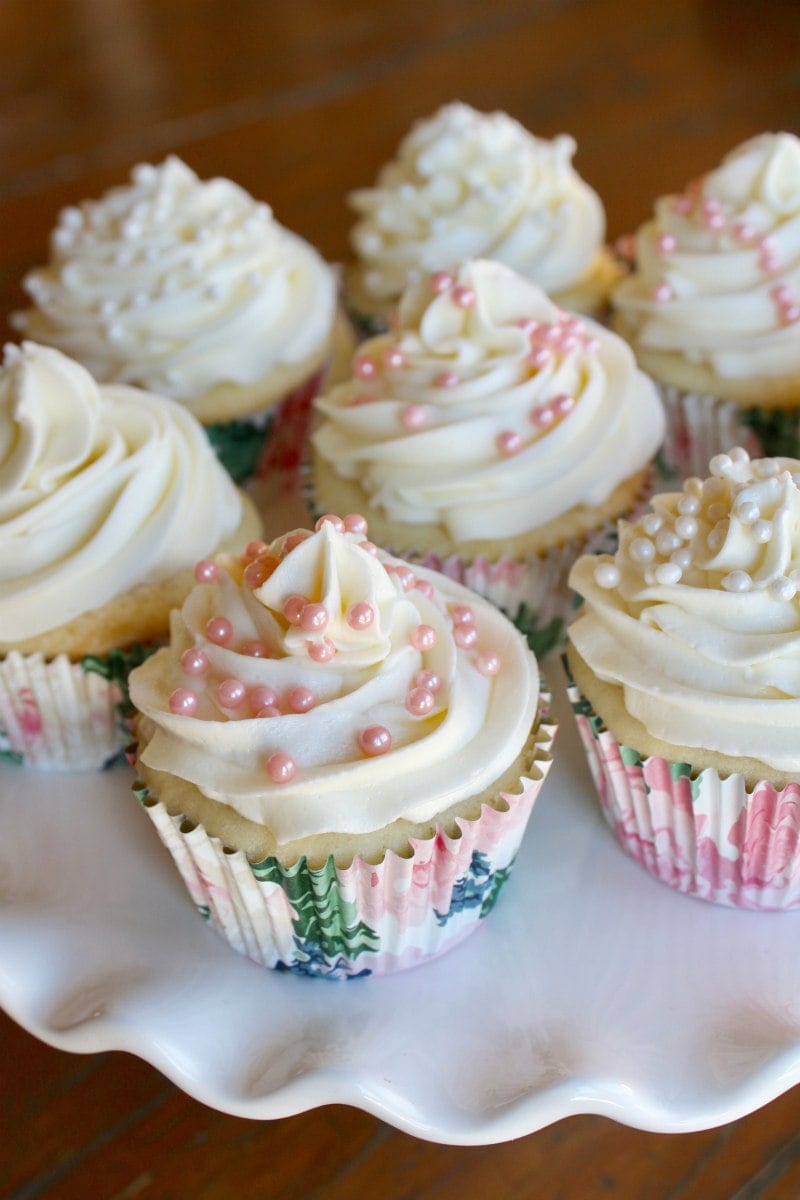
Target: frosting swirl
(466,184)
(489,411)
(717,276)
(177,285)
(101,488)
(319,685)
(696,616)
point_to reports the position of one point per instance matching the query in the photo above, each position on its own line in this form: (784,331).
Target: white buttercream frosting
(466,184)
(101,488)
(697,616)
(176,285)
(717,275)
(489,411)
(439,747)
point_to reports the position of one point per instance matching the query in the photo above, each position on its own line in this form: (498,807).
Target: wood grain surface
(300,102)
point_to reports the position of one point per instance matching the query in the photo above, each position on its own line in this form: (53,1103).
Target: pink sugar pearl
(256,572)
(355,523)
(269,711)
(394,357)
(330,519)
(313,618)
(540,357)
(293,540)
(219,631)
(509,443)
(487,663)
(420,702)
(405,575)
(369,547)
(430,680)
(447,379)
(293,606)
(301,699)
(252,550)
(414,416)
(321,651)
(375,740)
(194,661)
(425,586)
(231,693)
(206,571)
(423,637)
(360,615)
(255,650)
(441,281)
(281,767)
(183,703)
(463,297)
(465,636)
(364,368)
(462,614)
(262,697)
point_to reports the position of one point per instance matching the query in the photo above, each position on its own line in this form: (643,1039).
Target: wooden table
(300,102)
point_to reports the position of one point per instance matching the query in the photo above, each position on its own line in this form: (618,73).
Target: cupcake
(191,290)
(340,752)
(489,436)
(108,496)
(686,665)
(464,185)
(712,306)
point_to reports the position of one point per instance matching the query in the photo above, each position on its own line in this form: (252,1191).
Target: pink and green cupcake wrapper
(702,834)
(700,426)
(58,715)
(365,919)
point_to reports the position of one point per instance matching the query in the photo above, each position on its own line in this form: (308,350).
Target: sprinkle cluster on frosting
(479,367)
(177,284)
(736,530)
(466,184)
(298,667)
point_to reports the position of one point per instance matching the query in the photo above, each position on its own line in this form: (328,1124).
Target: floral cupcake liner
(698,427)
(702,834)
(364,919)
(59,715)
(269,439)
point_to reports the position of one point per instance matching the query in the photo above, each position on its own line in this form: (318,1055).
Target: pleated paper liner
(700,426)
(367,918)
(700,833)
(59,715)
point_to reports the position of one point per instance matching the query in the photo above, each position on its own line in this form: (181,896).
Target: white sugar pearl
(762,531)
(693,487)
(682,558)
(641,550)
(70,218)
(737,581)
(652,523)
(782,589)
(720,464)
(748,511)
(686,527)
(668,573)
(739,454)
(765,468)
(689,506)
(606,575)
(667,541)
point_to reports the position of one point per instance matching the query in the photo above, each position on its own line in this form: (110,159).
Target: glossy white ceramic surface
(591,988)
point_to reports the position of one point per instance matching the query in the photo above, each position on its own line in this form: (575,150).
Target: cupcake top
(178,285)
(488,411)
(696,616)
(466,184)
(717,277)
(101,488)
(319,685)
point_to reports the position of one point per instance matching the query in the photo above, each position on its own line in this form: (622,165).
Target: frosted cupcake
(489,436)
(467,184)
(712,307)
(686,661)
(108,496)
(192,290)
(340,753)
